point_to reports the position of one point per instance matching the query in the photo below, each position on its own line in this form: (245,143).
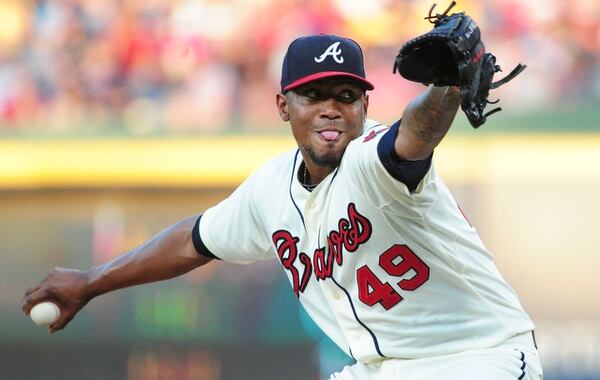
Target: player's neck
(311,175)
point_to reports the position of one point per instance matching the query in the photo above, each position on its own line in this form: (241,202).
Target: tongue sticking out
(330,135)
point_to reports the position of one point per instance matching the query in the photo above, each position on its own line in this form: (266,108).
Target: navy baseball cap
(321,56)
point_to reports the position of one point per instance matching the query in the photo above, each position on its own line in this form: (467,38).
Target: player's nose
(330,109)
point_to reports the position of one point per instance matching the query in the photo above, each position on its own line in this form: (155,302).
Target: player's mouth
(329,135)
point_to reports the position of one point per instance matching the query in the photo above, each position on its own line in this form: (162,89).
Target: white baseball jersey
(385,272)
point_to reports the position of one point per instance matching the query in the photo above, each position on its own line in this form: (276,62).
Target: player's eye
(310,93)
(347,96)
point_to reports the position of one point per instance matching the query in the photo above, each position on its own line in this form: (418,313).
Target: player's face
(325,115)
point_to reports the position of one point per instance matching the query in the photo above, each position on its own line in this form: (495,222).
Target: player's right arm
(169,254)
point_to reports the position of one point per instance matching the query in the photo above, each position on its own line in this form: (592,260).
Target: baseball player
(373,244)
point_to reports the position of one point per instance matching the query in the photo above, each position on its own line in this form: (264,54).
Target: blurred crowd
(212,66)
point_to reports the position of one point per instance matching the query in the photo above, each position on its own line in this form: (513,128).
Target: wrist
(93,286)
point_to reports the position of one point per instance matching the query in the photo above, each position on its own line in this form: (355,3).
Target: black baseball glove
(452,54)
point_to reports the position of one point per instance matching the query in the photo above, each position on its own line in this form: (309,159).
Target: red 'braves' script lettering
(287,250)
(351,233)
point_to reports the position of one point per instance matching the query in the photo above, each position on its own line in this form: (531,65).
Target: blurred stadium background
(119,117)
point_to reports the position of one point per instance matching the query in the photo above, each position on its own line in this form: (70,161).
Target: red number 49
(396,261)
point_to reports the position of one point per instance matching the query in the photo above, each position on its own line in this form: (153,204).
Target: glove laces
(434,19)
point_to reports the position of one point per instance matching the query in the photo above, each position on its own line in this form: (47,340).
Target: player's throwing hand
(67,288)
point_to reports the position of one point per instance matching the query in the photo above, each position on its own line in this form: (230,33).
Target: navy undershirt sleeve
(408,172)
(198,243)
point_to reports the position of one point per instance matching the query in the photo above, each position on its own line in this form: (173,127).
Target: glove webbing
(516,71)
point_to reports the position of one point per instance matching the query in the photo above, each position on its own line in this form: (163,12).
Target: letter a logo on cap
(333,51)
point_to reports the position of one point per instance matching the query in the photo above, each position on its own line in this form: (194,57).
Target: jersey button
(336,295)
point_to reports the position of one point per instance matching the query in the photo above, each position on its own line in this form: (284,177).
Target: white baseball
(44,313)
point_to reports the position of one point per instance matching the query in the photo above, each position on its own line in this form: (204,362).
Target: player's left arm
(425,122)
(453,58)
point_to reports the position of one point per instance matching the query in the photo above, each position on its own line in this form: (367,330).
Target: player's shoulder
(364,147)
(372,130)
(270,178)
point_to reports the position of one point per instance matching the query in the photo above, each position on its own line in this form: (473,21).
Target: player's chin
(330,158)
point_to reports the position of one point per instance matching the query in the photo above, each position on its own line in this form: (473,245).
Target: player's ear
(282,106)
(366,103)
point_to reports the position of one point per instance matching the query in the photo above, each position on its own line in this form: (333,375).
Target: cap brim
(326,74)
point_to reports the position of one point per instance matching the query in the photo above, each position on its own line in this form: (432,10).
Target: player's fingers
(33,299)
(60,323)
(32,289)
(27,302)
(30,302)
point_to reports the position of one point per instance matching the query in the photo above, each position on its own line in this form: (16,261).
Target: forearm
(426,121)
(167,255)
